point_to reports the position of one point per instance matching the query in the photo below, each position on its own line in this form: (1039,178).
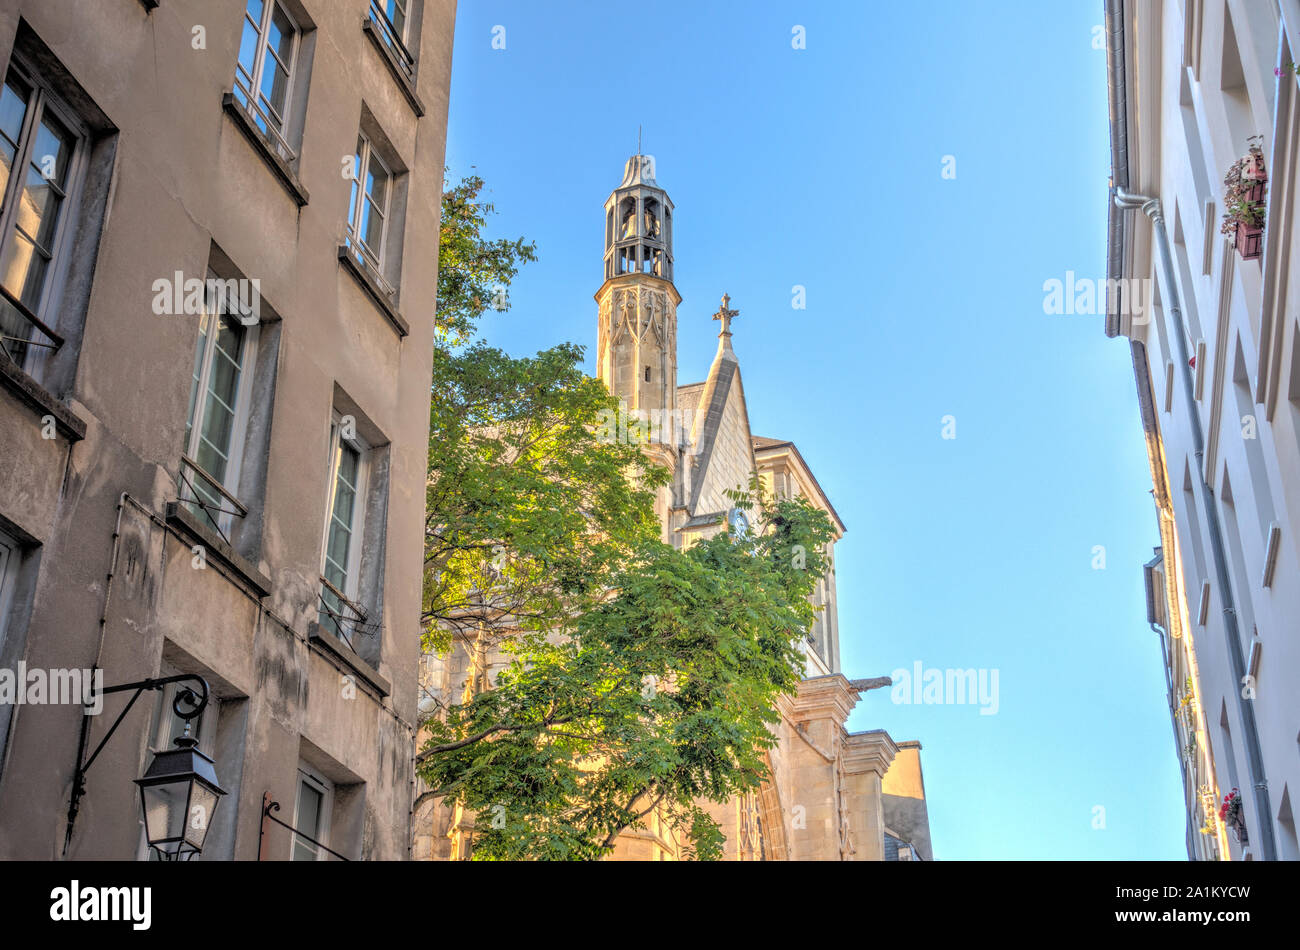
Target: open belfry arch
(826,796)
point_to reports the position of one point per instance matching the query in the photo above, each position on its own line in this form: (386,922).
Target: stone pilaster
(867,756)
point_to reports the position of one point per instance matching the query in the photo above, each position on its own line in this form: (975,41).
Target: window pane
(372,228)
(247,54)
(13,107)
(38,209)
(199,350)
(280,35)
(255,10)
(376,180)
(14,328)
(53,152)
(310,803)
(275,88)
(333,607)
(220,400)
(396,10)
(22,270)
(349,465)
(338,543)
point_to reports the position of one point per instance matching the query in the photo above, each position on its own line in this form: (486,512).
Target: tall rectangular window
(41,151)
(311,815)
(368,206)
(264,73)
(341,560)
(218,410)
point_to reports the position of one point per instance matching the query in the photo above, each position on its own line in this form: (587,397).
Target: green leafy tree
(529,511)
(662,695)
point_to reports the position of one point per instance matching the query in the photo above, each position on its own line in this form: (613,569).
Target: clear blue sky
(821,167)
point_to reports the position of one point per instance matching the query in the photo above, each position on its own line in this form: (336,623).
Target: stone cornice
(823,697)
(871,751)
(633,279)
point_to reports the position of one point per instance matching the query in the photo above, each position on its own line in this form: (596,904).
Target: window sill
(327,642)
(374,291)
(404,82)
(40,399)
(283,173)
(180,519)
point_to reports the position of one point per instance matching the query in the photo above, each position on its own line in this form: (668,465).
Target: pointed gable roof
(718,437)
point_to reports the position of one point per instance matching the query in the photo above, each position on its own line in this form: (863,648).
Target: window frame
(44,97)
(11,553)
(314,780)
(352,578)
(260,52)
(365,154)
(242,407)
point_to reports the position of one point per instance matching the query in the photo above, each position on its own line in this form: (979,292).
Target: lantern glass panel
(165,812)
(203,802)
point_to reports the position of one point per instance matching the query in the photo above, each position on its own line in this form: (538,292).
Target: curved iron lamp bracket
(188,704)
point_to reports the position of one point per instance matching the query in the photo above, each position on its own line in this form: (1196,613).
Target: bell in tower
(639,224)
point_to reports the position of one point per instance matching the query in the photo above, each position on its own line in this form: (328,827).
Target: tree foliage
(659,697)
(474,272)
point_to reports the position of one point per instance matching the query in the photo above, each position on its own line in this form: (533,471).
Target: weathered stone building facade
(218,265)
(826,798)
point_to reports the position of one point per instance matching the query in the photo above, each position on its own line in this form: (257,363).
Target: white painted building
(1217,362)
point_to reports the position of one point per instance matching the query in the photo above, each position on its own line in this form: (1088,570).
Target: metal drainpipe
(1173,724)
(1254,755)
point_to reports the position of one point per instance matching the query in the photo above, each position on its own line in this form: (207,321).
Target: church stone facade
(832,793)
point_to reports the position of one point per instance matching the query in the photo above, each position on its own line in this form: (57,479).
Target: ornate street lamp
(179,791)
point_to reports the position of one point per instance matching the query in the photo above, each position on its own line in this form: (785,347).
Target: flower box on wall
(1243,202)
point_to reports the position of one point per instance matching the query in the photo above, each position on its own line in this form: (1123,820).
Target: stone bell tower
(637,345)
(636,350)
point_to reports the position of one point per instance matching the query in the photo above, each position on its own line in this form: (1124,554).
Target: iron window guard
(25,312)
(198,501)
(357,623)
(270,806)
(404,58)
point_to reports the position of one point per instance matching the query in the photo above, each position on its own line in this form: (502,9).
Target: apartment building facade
(1203,91)
(217,278)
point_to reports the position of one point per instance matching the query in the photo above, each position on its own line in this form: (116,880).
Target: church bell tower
(637,341)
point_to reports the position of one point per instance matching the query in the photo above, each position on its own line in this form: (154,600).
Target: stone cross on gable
(726,315)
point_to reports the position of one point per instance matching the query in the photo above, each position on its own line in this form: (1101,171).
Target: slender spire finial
(638,139)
